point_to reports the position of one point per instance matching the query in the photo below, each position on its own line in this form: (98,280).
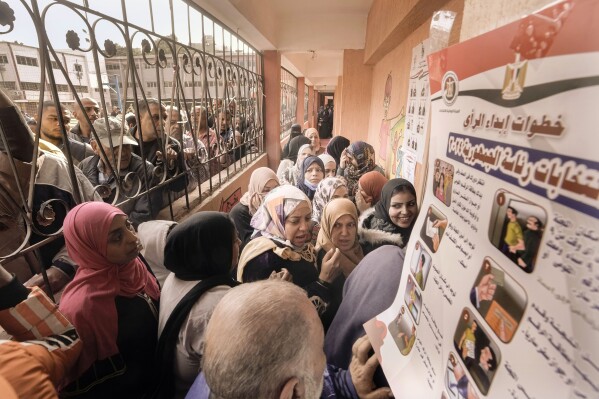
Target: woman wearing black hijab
(336,146)
(391,220)
(296,131)
(201,252)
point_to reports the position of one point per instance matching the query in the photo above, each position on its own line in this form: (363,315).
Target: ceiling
(310,34)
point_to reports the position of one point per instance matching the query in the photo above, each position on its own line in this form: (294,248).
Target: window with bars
(30,86)
(8,85)
(30,61)
(288,101)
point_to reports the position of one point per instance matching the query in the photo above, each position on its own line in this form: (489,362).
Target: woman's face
(352,160)
(403,209)
(305,153)
(123,245)
(367,198)
(271,184)
(340,192)
(314,138)
(298,225)
(343,233)
(314,174)
(330,169)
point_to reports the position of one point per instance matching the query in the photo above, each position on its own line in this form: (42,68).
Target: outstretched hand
(362,368)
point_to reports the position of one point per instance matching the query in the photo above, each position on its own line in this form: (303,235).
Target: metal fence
(288,101)
(126,55)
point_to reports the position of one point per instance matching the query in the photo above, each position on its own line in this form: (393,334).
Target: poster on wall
(395,153)
(418,104)
(499,295)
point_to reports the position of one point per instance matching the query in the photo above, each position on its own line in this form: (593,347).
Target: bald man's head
(264,339)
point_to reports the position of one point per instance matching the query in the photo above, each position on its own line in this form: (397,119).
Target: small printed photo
(403,331)
(457,383)
(476,350)
(498,299)
(413,299)
(420,265)
(443,181)
(516,229)
(433,228)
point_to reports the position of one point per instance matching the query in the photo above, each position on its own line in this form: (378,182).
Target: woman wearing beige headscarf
(339,235)
(261,182)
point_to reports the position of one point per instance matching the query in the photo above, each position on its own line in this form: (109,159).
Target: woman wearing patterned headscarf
(112,302)
(282,243)
(261,182)
(327,190)
(357,159)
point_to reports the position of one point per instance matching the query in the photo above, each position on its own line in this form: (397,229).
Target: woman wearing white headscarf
(261,182)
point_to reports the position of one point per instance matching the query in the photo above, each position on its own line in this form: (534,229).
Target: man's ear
(292,389)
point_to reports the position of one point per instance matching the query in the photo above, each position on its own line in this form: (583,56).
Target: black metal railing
(181,58)
(288,101)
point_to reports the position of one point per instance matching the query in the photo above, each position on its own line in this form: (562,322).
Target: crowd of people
(236,305)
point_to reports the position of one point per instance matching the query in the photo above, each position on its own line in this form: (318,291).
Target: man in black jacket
(162,151)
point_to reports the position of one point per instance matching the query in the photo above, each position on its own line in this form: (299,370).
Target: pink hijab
(88,300)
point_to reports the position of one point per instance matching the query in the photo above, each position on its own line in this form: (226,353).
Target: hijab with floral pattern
(269,219)
(324,193)
(364,155)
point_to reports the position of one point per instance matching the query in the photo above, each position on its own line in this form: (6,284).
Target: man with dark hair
(52,131)
(164,152)
(82,131)
(54,193)
(481,371)
(101,168)
(265,340)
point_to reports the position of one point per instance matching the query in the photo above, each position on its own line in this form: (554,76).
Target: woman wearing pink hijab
(112,302)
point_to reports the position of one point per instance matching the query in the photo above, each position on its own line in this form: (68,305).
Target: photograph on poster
(443,181)
(516,228)
(413,299)
(403,331)
(420,264)
(456,381)
(498,299)
(478,352)
(433,228)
